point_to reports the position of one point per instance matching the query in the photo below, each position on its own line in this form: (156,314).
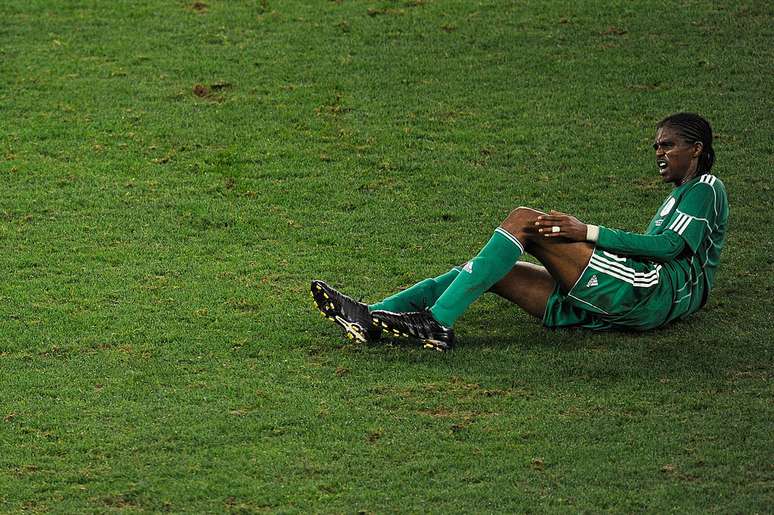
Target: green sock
(418,297)
(495,260)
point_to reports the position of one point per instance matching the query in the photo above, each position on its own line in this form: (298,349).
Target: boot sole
(324,305)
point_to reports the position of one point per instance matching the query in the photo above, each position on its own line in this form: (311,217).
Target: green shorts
(613,292)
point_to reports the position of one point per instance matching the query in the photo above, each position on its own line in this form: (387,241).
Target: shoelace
(419,322)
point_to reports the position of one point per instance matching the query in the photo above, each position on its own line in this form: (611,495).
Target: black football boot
(419,325)
(351,315)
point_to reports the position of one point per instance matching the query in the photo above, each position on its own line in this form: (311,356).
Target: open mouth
(662,164)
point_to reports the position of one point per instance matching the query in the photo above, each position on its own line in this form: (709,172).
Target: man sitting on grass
(592,276)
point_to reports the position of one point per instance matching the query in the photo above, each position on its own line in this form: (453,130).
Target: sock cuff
(513,239)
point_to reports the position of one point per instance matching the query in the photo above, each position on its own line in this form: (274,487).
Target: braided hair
(693,129)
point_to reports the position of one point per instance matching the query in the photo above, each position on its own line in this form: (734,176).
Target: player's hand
(561,225)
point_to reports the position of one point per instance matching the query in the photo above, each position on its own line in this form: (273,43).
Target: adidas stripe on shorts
(613,292)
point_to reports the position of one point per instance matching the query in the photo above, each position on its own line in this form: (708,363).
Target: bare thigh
(528,286)
(564,260)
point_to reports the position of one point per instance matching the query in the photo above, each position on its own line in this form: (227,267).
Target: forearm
(659,247)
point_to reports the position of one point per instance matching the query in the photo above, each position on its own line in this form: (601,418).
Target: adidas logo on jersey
(468,267)
(593,281)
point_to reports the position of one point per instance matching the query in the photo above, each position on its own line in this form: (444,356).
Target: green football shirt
(686,236)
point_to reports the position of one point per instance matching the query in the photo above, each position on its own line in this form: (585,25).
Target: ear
(697,149)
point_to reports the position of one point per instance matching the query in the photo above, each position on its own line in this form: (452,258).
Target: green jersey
(685,237)
(642,281)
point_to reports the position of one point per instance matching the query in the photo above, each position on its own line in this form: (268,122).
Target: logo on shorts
(592,282)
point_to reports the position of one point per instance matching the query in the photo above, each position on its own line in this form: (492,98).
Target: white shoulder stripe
(679,220)
(706,222)
(682,226)
(710,180)
(682,221)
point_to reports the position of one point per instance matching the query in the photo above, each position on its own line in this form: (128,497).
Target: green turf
(175,172)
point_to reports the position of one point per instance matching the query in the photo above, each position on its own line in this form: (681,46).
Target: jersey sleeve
(696,215)
(658,247)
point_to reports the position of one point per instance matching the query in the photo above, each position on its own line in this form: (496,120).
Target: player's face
(676,158)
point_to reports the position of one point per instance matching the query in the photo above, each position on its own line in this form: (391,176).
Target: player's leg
(354,316)
(433,327)
(527,285)
(420,296)
(564,260)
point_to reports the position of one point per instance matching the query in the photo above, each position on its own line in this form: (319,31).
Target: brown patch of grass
(120,501)
(213,92)
(199,7)
(201,91)
(373,11)
(613,31)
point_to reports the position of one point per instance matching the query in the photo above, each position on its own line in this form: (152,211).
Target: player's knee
(516,222)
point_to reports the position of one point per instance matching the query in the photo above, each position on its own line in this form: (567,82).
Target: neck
(689,176)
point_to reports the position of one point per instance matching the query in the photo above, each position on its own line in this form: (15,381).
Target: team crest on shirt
(667,207)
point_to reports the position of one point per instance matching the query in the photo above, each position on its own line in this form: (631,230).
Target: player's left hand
(568,226)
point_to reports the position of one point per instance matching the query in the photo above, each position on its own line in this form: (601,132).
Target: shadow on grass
(497,344)
(533,353)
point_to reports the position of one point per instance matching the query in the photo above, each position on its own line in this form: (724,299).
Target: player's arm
(695,216)
(660,247)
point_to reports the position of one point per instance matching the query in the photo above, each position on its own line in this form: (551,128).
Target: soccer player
(592,276)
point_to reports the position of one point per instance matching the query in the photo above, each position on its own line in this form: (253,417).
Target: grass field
(175,172)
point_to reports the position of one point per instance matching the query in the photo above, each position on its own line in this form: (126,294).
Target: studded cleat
(351,315)
(419,325)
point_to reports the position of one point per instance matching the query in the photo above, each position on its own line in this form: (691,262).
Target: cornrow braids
(693,128)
